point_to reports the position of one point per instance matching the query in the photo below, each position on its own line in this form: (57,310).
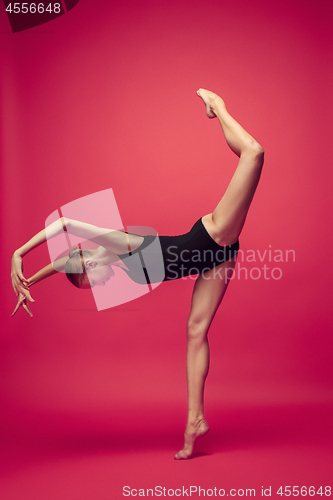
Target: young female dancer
(217,231)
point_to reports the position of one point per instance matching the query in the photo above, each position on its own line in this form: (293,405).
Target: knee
(254,149)
(257,149)
(197,330)
(258,154)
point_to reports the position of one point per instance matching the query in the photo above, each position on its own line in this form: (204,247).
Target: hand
(20,284)
(22,301)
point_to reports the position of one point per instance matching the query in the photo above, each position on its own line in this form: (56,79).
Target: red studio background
(104,97)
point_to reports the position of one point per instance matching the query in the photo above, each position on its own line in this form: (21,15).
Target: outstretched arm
(81,229)
(57,227)
(55,267)
(20,284)
(116,241)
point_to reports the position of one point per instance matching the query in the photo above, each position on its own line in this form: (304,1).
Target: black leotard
(187,254)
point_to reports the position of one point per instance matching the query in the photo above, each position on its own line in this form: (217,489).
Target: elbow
(65,222)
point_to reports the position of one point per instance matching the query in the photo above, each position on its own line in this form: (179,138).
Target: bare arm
(55,267)
(81,229)
(117,242)
(57,227)
(20,284)
(114,241)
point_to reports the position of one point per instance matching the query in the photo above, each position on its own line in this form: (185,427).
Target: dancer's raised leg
(208,292)
(225,225)
(228,218)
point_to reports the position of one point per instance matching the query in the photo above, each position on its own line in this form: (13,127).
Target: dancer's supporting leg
(208,293)
(225,225)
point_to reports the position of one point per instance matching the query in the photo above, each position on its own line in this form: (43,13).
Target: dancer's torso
(175,257)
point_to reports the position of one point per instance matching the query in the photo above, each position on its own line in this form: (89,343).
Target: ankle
(217,104)
(195,418)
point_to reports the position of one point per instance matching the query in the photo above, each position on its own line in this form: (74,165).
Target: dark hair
(75,269)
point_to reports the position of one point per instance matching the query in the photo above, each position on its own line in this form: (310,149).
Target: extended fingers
(16,308)
(15,283)
(19,302)
(19,286)
(24,290)
(28,296)
(26,308)
(14,287)
(22,302)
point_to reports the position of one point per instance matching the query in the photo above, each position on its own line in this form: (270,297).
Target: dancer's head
(83,270)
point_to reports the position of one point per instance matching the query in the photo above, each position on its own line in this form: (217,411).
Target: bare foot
(210,99)
(193,430)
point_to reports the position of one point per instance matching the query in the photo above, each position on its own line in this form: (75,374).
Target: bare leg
(228,218)
(208,292)
(225,225)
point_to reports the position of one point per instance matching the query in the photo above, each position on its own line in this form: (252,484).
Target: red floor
(248,447)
